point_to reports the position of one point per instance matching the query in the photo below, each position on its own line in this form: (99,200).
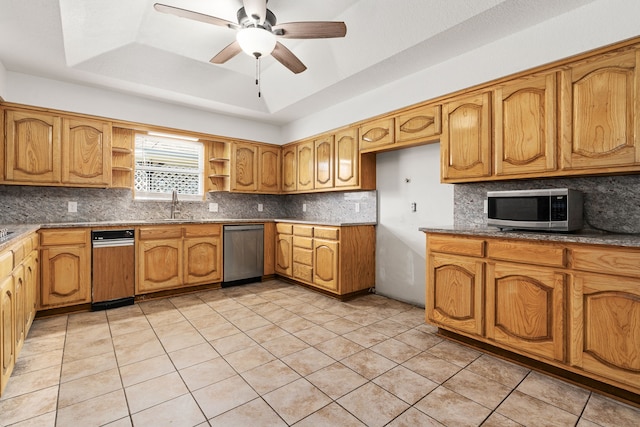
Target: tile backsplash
(611,203)
(37,205)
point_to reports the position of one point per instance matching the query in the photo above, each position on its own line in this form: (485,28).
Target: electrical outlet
(304,207)
(73,207)
(260,207)
(213,207)
(357,206)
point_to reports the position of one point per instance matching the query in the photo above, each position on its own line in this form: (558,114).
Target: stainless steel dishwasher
(243,254)
(113,268)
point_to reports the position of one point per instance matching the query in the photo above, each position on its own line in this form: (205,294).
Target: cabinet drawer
(153,233)
(303,256)
(456,245)
(303,230)
(6,263)
(528,253)
(302,272)
(284,228)
(621,262)
(329,233)
(202,230)
(303,242)
(18,253)
(63,237)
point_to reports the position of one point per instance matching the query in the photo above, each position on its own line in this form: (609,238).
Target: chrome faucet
(174,204)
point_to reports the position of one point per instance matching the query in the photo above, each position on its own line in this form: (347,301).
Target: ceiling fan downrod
(258,72)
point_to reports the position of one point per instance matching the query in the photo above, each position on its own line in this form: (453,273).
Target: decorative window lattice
(167,164)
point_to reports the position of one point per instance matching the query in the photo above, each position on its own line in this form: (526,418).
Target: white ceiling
(127,46)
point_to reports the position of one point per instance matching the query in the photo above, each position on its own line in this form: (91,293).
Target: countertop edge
(621,240)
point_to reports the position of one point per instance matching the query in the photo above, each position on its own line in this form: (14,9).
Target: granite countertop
(586,236)
(18,231)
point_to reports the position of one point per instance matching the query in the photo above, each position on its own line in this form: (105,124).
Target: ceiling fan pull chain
(258,74)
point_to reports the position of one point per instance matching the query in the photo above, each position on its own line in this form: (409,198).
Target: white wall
(400,247)
(594,25)
(3,81)
(37,91)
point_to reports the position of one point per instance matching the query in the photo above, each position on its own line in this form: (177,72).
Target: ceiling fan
(257,32)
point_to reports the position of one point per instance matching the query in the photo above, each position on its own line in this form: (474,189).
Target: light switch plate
(213,207)
(304,207)
(73,207)
(260,207)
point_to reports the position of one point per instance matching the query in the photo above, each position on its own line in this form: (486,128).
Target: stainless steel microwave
(556,209)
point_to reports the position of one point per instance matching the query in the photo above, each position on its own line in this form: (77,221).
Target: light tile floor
(275,354)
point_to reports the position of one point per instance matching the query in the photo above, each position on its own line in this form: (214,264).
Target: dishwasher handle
(228,228)
(110,243)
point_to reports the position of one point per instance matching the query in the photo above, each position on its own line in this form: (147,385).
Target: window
(167,163)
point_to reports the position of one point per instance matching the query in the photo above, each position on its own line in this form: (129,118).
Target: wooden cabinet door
(160,265)
(244,167)
(305,166)
(20,297)
(347,158)
(203,260)
(269,169)
(525,309)
(86,152)
(32,147)
(7,330)
(605,327)
(289,168)
(326,264)
(600,122)
(465,146)
(525,126)
(66,276)
(284,254)
(377,133)
(323,156)
(455,288)
(31,288)
(419,124)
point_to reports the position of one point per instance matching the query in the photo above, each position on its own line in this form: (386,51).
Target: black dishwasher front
(243,254)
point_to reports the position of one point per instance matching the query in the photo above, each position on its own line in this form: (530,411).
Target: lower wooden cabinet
(66,267)
(572,306)
(7,329)
(525,309)
(339,260)
(170,256)
(605,327)
(455,295)
(18,282)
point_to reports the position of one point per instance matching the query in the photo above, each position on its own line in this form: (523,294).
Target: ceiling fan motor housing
(246,22)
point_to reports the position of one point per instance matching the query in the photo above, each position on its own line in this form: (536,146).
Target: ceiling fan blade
(310,30)
(183,13)
(256,9)
(227,53)
(287,58)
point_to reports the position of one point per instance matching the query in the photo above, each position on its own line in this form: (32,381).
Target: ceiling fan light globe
(256,42)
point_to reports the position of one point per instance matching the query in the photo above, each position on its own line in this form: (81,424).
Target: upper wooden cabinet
(347,158)
(330,162)
(377,133)
(525,125)
(418,124)
(600,102)
(86,152)
(217,165)
(305,166)
(324,162)
(32,147)
(48,149)
(269,169)
(122,157)
(244,170)
(465,146)
(289,168)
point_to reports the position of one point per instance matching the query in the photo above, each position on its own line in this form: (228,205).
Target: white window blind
(166,164)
